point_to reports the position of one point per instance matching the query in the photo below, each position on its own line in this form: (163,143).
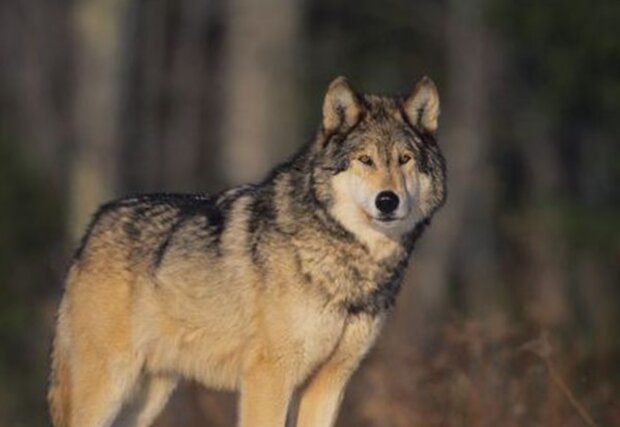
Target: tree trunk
(260,111)
(460,244)
(98,27)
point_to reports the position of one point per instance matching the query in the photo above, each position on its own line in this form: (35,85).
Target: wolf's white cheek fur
(347,201)
(360,193)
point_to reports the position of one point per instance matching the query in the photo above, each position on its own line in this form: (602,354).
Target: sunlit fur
(275,289)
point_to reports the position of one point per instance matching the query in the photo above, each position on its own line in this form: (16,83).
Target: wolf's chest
(355,282)
(313,332)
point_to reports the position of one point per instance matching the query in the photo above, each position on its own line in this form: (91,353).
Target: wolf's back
(136,230)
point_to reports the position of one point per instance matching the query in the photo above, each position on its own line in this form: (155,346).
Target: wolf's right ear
(422,106)
(341,107)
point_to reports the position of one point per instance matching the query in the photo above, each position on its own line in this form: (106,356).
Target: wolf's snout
(387,202)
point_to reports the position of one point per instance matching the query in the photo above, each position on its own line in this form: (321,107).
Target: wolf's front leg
(321,398)
(265,395)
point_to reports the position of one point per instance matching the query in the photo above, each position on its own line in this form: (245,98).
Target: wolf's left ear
(341,107)
(422,106)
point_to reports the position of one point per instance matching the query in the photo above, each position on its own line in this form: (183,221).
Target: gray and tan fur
(276,290)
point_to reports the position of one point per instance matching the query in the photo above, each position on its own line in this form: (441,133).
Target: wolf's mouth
(386,219)
(387,222)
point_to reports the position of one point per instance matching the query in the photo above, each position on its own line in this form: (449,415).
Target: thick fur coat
(275,289)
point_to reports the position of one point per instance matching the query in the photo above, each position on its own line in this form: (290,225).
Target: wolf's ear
(341,107)
(422,106)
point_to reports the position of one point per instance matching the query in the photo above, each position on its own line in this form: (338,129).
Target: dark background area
(510,314)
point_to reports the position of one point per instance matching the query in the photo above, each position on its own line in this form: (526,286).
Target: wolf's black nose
(387,202)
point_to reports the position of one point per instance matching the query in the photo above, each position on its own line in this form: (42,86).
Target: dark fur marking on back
(161,249)
(100,212)
(213,209)
(262,213)
(79,252)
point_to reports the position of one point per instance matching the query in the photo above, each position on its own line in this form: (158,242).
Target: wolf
(277,290)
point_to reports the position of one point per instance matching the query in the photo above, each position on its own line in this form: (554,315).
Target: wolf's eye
(404,158)
(365,159)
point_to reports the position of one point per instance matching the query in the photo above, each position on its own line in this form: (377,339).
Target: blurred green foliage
(568,54)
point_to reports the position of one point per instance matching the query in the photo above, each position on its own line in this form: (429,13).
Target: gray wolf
(276,290)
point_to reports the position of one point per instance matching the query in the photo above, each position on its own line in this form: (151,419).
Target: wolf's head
(377,165)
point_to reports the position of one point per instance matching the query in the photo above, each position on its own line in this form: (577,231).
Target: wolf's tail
(58,395)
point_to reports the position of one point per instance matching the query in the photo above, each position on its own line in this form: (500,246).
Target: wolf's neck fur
(366,266)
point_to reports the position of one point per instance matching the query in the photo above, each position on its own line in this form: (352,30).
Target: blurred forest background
(510,314)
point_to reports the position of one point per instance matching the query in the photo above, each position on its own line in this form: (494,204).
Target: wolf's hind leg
(99,389)
(148,402)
